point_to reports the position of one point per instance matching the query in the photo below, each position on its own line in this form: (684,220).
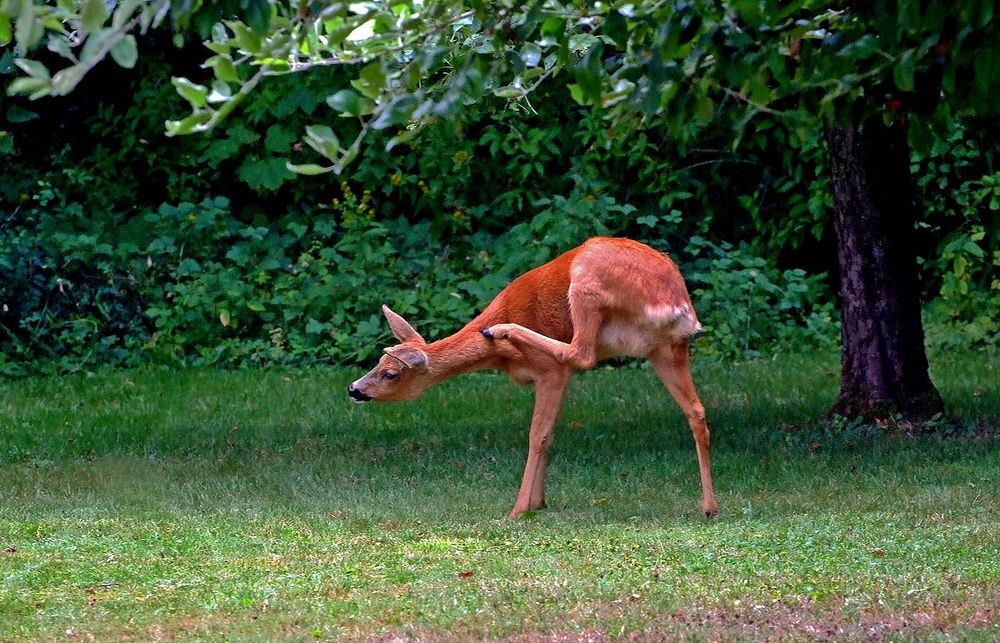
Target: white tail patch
(663,314)
(666,315)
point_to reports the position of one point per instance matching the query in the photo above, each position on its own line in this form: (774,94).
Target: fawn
(607,297)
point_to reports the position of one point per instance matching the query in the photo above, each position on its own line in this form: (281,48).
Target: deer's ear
(411,356)
(401,329)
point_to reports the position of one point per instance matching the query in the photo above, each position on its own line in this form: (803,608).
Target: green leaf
(123,13)
(902,73)
(265,174)
(314,327)
(616,28)
(195,94)
(258,15)
(397,112)
(986,71)
(6,33)
(59,45)
(860,49)
(92,15)
(6,143)
(278,139)
(66,80)
(705,109)
(403,137)
(125,52)
(920,136)
(246,39)
(309,169)
(588,74)
(189,124)
(221,92)
(31,86)
(18,114)
(349,103)
(223,67)
(188,268)
(531,54)
(322,139)
(94,45)
(28,28)
(371,80)
(908,18)
(33,68)
(349,155)
(508,92)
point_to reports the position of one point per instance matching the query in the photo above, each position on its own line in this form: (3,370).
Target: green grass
(262,504)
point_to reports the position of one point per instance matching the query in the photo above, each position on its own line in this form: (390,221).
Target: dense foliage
(117,246)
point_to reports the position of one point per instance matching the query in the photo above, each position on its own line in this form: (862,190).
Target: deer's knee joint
(539,442)
(580,360)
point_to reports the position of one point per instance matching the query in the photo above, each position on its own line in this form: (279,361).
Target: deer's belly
(618,339)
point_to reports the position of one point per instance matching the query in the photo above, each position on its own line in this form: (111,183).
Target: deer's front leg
(549,393)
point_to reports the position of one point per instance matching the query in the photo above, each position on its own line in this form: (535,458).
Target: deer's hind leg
(581,353)
(670,361)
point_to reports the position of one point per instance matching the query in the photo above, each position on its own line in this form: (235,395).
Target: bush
(118,249)
(962,197)
(748,306)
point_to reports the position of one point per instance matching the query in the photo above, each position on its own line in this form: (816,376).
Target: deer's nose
(357,395)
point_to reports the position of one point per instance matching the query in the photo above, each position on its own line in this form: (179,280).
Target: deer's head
(401,373)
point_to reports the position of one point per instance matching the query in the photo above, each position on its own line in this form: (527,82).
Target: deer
(608,297)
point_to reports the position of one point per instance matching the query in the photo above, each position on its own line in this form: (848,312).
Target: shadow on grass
(292,438)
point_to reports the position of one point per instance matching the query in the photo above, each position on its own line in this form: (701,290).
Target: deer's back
(637,287)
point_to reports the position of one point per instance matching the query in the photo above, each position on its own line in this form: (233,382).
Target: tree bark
(883,361)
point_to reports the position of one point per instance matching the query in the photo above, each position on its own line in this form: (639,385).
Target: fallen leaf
(814,445)
(878,553)
(465,574)
(10,549)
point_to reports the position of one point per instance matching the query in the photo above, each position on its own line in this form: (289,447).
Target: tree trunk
(883,363)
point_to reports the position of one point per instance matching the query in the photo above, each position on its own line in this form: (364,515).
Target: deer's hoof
(710,512)
(487,333)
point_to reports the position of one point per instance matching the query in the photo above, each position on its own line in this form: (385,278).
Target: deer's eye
(388,376)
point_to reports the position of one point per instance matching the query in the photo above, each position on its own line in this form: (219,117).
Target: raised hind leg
(670,361)
(581,352)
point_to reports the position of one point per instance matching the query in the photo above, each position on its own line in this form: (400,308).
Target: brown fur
(607,297)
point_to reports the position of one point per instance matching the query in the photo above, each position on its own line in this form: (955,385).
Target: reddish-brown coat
(604,298)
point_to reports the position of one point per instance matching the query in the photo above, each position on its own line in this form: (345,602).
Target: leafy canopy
(413,61)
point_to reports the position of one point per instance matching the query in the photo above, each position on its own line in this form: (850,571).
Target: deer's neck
(467,350)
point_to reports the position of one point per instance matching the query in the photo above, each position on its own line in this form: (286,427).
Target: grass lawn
(262,504)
